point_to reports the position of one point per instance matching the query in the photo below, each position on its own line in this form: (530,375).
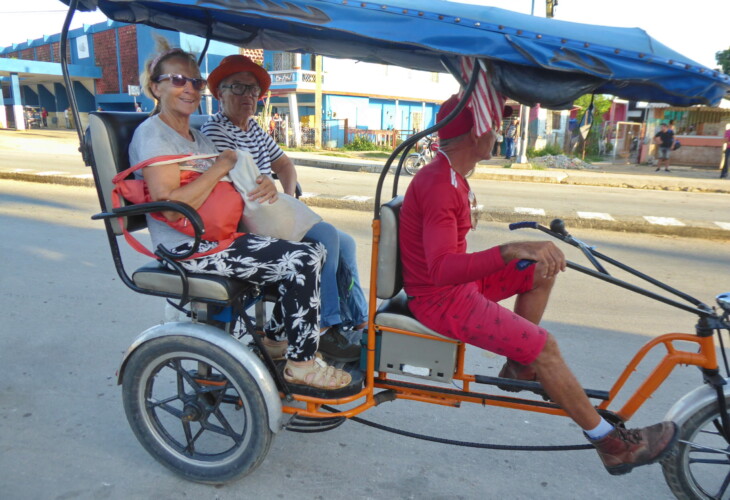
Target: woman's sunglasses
(180,80)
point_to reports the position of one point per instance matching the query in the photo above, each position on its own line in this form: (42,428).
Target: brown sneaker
(623,449)
(516,371)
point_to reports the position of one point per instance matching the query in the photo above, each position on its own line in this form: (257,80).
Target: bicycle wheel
(700,466)
(413,163)
(196,409)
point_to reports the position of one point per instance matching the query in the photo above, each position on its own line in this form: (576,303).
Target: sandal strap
(319,374)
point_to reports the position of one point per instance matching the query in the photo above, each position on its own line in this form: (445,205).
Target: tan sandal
(277,350)
(319,375)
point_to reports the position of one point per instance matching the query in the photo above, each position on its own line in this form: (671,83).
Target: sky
(696,29)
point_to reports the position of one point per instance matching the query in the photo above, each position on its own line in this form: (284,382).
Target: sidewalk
(607,174)
(60,163)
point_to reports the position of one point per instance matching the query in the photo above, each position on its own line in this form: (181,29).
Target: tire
(413,163)
(207,428)
(693,473)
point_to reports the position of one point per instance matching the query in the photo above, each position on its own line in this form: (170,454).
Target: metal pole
(525,119)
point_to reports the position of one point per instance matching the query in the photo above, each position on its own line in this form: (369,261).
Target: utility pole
(318,101)
(525,119)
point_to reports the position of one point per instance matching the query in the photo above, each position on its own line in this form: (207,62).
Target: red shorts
(470,313)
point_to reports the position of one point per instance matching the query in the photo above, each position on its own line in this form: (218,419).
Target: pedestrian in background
(44,117)
(509,138)
(723,172)
(65,115)
(664,139)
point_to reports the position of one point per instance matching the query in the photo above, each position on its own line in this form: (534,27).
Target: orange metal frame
(429,393)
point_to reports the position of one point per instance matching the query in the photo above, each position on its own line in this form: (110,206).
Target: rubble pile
(561,161)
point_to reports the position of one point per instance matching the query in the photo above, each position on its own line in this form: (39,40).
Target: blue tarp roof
(533,59)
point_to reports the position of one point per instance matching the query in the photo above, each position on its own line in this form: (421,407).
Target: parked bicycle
(428,149)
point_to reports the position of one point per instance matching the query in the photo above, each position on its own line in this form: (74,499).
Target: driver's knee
(549,355)
(539,281)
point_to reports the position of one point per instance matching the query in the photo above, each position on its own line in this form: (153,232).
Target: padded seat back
(111,133)
(390,278)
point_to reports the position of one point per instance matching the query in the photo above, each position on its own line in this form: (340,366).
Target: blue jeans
(344,304)
(509,146)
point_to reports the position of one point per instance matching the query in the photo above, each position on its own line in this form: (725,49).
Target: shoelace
(630,435)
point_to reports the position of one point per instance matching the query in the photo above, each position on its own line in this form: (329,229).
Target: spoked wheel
(413,163)
(700,467)
(196,409)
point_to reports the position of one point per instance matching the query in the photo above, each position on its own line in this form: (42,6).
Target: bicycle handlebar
(700,308)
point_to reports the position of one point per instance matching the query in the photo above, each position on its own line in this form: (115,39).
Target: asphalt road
(68,318)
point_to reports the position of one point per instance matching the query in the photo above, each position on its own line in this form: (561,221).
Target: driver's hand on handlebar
(550,259)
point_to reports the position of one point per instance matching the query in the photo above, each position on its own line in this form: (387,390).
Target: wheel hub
(192,412)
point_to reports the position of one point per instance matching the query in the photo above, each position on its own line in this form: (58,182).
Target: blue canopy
(531,59)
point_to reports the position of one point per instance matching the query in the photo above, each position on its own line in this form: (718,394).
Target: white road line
(18,170)
(83,176)
(595,215)
(663,221)
(308,195)
(353,197)
(529,211)
(52,172)
(723,225)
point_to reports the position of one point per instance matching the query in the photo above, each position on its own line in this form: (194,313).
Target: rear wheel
(700,466)
(413,163)
(196,409)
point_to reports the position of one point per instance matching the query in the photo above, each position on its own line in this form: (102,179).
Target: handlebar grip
(522,225)
(524,264)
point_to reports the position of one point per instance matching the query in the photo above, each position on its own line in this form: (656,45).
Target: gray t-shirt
(155,138)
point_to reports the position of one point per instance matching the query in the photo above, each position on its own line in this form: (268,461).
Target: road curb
(627,225)
(701,230)
(66,180)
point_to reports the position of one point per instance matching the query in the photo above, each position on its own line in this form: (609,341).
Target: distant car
(32,117)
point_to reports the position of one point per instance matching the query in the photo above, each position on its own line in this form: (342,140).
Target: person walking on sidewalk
(509,138)
(664,139)
(456,293)
(66,117)
(723,172)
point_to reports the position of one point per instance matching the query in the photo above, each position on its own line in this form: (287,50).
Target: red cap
(231,65)
(461,124)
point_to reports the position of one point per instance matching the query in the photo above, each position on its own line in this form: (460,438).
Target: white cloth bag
(287,218)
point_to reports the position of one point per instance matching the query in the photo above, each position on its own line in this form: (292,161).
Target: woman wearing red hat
(238,83)
(172,78)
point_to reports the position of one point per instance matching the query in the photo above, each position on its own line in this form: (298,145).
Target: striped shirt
(226,135)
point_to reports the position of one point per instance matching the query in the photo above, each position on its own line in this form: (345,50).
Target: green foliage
(362,143)
(550,149)
(723,59)
(601,104)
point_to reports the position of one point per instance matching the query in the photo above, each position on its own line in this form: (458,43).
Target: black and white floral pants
(293,267)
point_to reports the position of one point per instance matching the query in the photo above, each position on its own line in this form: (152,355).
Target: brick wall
(256,55)
(11,55)
(56,48)
(43,53)
(128,56)
(105,55)
(26,54)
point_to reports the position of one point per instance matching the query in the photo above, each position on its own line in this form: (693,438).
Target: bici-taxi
(203,396)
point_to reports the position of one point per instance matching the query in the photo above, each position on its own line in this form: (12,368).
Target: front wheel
(700,466)
(413,163)
(196,409)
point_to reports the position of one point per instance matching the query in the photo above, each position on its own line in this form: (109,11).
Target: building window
(557,118)
(283,61)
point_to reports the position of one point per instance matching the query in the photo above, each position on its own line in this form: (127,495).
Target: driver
(455,293)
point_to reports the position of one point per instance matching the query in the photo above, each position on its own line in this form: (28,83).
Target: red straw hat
(231,65)
(461,124)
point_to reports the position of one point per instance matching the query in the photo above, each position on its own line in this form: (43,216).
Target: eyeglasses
(181,80)
(243,89)
(474,210)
